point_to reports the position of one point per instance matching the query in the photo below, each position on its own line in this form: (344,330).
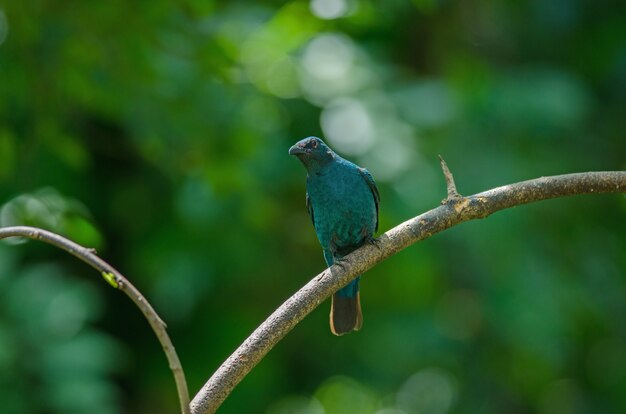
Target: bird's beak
(297,149)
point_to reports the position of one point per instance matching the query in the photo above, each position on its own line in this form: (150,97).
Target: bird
(342,200)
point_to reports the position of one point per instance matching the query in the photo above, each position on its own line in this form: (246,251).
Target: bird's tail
(345,309)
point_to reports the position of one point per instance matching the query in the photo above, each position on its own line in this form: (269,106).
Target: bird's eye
(314,144)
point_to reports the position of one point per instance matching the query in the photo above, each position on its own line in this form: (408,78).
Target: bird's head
(312,152)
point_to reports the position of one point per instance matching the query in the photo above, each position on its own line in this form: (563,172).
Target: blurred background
(157,132)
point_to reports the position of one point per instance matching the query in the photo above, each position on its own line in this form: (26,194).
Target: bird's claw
(341,264)
(374,242)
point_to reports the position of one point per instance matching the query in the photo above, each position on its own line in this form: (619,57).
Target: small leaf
(110,278)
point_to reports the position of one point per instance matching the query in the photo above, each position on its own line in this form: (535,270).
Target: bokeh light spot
(348,126)
(429,391)
(344,395)
(391,410)
(282,79)
(428,104)
(329,56)
(329,9)
(393,153)
(295,404)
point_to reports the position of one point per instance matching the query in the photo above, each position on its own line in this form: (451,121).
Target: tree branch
(118,281)
(454,210)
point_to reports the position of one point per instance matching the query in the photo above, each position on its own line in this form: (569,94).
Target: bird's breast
(343,207)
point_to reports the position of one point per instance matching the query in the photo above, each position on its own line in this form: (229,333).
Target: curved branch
(118,281)
(454,210)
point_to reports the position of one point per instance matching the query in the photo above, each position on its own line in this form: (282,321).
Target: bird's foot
(340,263)
(374,242)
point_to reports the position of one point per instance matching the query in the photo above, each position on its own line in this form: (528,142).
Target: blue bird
(342,200)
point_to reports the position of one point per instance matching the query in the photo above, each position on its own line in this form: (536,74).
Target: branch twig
(481,205)
(452,192)
(118,281)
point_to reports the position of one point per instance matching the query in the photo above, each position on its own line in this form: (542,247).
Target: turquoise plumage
(342,200)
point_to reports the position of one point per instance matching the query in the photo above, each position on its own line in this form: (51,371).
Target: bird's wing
(309,208)
(372,185)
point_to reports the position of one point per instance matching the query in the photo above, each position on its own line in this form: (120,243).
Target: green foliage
(52,358)
(157,132)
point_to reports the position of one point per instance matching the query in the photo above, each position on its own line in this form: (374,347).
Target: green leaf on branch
(110,278)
